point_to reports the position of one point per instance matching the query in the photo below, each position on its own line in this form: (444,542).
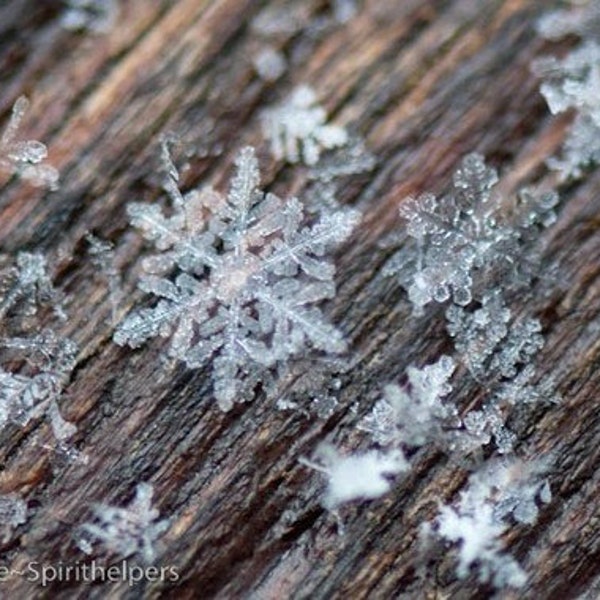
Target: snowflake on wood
(28,396)
(414,414)
(358,476)
(573,82)
(126,531)
(499,351)
(25,158)
(28,282)
(502,490)
(248,272)
(463,234)
(297,128)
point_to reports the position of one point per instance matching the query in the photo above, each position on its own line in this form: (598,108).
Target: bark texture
(424,82)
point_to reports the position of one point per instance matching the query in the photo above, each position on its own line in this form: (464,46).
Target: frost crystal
(26,397)
(464,233)
(25,158)
(361,476)
(126,531)
(574,83)
(297,128)
(499,491)
(248,270)
(98,16)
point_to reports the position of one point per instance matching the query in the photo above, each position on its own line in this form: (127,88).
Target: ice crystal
(465,233)
(103,257)
(25,158)
(297,128)
(499,351)
(29,283)
(249,270)
(500,491)
(126,531)
(491,345)
(573,82)
(28,396)
(360,476)
(335,167)
(583,20)
(98,16)
(414,414)
(13,512)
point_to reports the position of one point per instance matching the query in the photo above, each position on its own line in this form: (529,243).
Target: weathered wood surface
(424,82)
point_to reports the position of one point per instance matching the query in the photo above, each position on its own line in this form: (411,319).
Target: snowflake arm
(25,158)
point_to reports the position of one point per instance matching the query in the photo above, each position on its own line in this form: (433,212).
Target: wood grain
(424,82)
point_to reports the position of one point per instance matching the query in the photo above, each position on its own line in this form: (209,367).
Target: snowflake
(126,531)
(574,83)
(297,128)
(13,512)
(339,164)
(25,397)
(491,348)
(103,258)
(498,351)
(30,283)
(463,234)
(501,490)
(414,414)
(25,158)
(360,476)
(248,272)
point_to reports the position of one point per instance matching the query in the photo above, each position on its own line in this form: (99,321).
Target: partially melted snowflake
(360,476)
(500,491)
(414,414)
(297,128)
(126,531)
(25,158)
(249,270)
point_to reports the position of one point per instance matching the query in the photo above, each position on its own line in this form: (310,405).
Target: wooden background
(424,82)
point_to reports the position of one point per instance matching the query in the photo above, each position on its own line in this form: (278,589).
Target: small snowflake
(464,234)
(25,397)
(25,158)
(297,128)
(360,476)
(126,531)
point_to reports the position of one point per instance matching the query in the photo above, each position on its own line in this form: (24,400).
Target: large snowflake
(238,278)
